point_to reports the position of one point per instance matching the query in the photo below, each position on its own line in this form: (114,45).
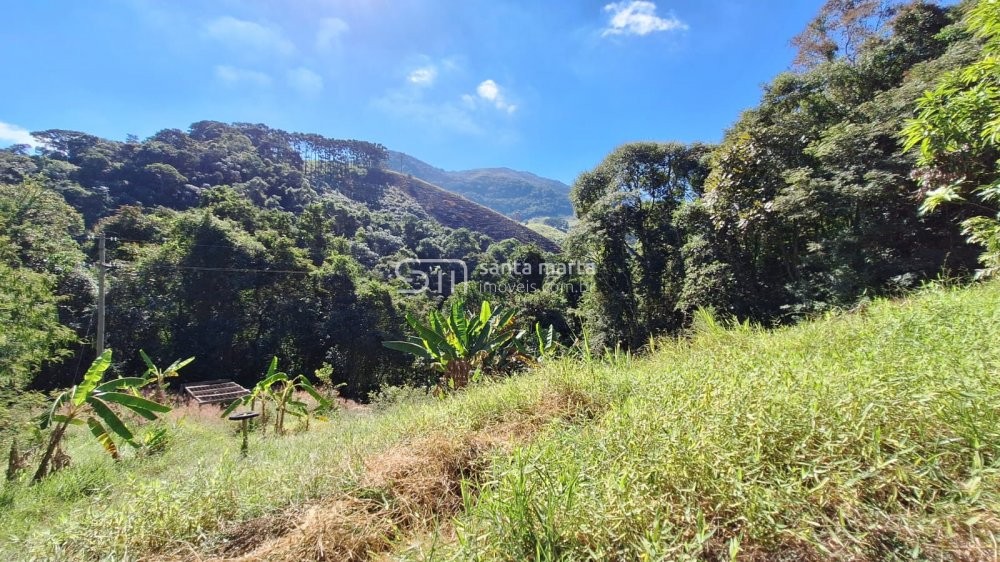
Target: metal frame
(215,391)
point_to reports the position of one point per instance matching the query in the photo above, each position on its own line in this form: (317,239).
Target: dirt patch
(250,534)
(406,490)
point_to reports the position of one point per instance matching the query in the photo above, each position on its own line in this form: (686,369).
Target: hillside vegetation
(864,436)
(514,193)
(867,170)
(589,412)
(455,211)
(229,242)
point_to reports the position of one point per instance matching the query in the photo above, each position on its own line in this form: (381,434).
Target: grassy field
(866,436)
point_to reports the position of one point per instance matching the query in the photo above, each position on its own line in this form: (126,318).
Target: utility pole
(101,273)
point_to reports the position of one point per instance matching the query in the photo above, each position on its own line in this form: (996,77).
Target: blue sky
(545,86)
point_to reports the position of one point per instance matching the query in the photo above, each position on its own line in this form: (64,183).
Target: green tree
(38,261)
(841,28)
(31,332)
(958,134)
(626,207)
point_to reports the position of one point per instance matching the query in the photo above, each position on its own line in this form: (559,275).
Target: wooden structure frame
(215,391)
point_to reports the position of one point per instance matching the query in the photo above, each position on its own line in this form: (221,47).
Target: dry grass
(405,489)
(411,489)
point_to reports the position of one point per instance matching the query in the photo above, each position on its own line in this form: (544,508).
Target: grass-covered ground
(872,435)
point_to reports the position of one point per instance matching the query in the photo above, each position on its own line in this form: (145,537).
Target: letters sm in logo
(439,277)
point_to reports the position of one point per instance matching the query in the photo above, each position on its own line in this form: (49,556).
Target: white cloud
(329,34)
(446,108)
(423,76)
(247,35)
(490,91)
(234,76)
(638,17)
(12,134)
(306,81)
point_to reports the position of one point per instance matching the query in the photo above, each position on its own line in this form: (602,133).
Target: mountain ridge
(516,193)
(456,211)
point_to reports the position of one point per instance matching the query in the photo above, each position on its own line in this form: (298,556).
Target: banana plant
(89,403)
(159,376)
(545,344)
(459,343)
(279,388)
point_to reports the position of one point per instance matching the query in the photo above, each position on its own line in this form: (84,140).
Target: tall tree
(957,130)
(626,207)
(841,28)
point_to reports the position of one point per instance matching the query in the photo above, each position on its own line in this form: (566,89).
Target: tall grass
(870,436)
(187,495)
(865,436)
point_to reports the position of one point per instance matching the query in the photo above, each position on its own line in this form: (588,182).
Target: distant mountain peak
(515,193)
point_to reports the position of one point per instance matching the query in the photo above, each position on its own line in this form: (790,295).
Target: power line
(134,267)
(226,269)
(112,238)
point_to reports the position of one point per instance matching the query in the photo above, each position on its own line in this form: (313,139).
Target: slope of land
(514,193)
(867,436)
(456,211)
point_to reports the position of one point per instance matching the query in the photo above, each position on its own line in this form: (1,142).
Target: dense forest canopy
(237,242)
(229,242)
(810,202)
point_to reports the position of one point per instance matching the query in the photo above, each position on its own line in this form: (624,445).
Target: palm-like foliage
(159,376)
(545,343)
(279,388)
(89,403)
(459,343)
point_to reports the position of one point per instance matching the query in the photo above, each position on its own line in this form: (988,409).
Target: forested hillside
(521,195)
(231,242)
(811,201)
(457,212)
